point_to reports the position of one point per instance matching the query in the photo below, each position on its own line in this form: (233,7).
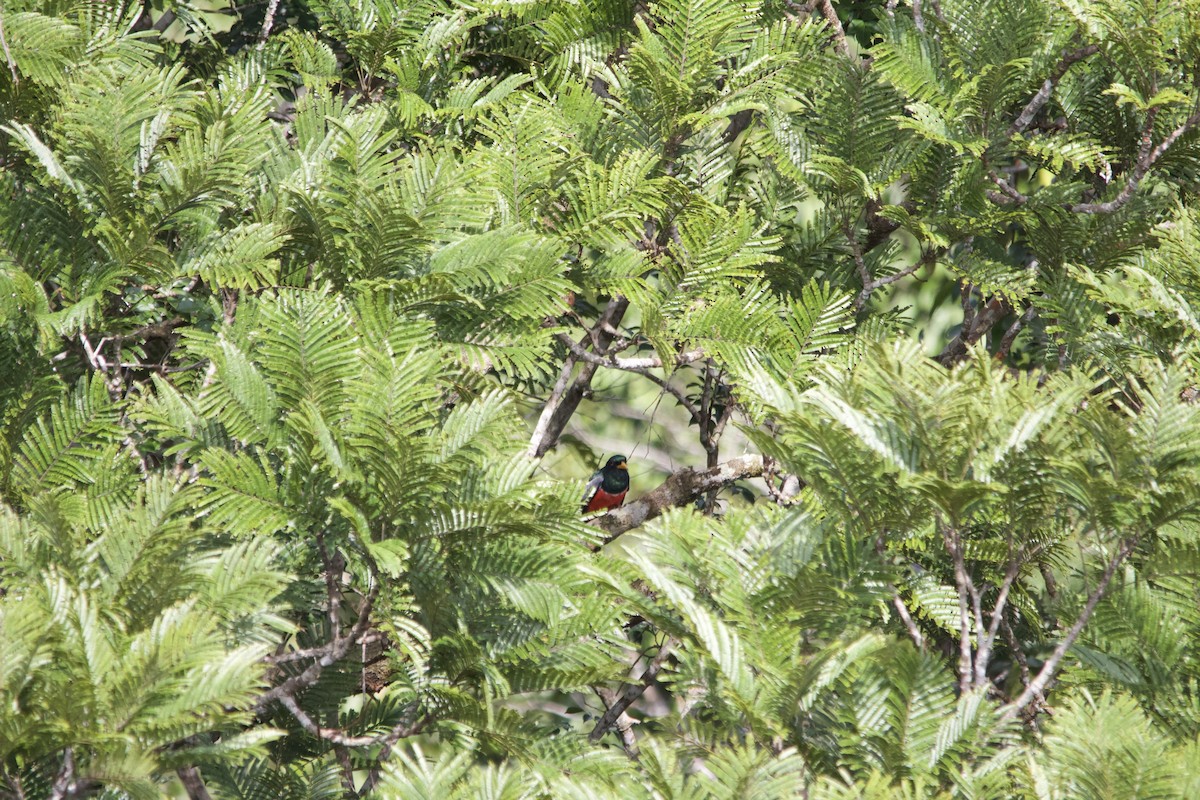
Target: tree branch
(682,487)
(870,286)
(328,655)
(64,781)
(1146,159)
(193,784)
(839,33)
(12,65)
(1010,336)
(632,692)
(568,394)
(983,652)
(400,731)
(268,21)
(954,546)
(627,364)
(1040,99)
(907,619)
(1038,684)
(974,328)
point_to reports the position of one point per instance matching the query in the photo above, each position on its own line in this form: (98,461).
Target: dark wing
(589,491)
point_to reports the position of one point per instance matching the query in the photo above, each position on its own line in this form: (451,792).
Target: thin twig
(927,258)
(12,65)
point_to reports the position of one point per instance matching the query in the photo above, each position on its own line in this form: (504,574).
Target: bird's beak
(623,465)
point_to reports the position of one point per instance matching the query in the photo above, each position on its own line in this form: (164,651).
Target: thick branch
(983,652)
(1038,684)
(193,784)
(268,21)
(64,782)
(682,487)
(973,329)
(839,33)
(1010,335)
(568,394)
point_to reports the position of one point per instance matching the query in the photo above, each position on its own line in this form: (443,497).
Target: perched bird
(607,487)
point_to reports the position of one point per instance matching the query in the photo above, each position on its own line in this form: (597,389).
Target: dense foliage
(314,314)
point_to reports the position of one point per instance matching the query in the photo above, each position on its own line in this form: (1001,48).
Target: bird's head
(617,462)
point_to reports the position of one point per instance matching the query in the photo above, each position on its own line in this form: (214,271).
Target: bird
(608,486)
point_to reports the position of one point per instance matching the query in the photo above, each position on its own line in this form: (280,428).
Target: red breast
(602,500)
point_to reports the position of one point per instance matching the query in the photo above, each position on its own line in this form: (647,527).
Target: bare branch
(1146,159)
(926,259)
(907,619)
(268,21)
(682,487)
(1038,684)
(333,735)
(632,692)
(1018,654)
(562,403)
(839,33)
(954,546)
(1040,99)
(975,327)
(328,655)
(64,781)
(1010,335)
(400,731)
(983,652)
(193,784)
(859,262)
(1008,195)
